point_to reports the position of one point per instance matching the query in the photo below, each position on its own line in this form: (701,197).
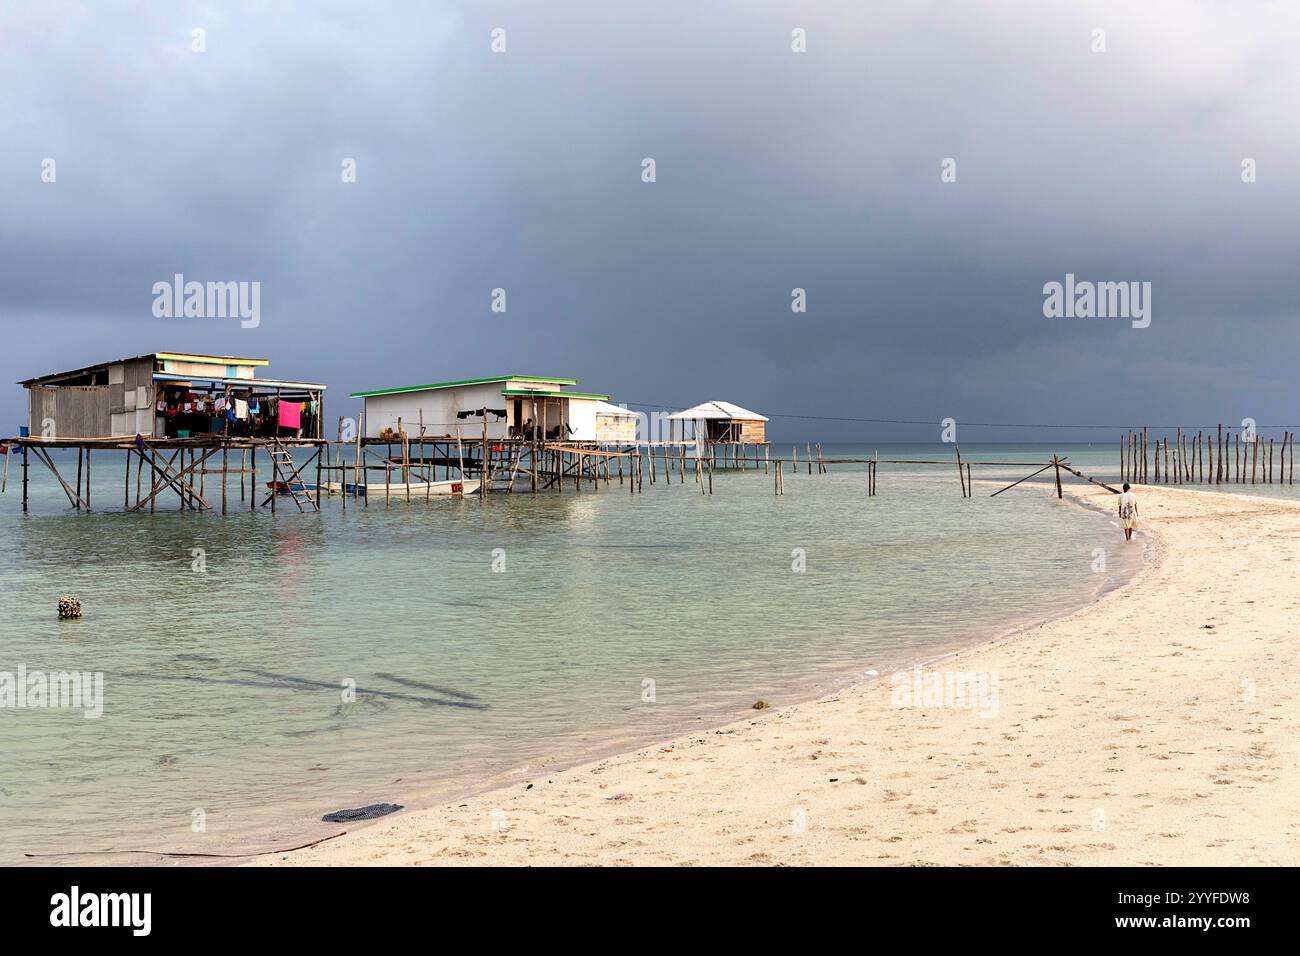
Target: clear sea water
(224,696)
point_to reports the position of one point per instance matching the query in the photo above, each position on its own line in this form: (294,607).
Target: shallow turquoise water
(224,688)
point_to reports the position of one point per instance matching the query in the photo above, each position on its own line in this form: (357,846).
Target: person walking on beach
(1128,512)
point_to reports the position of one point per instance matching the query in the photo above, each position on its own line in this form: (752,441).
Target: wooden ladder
(284,471)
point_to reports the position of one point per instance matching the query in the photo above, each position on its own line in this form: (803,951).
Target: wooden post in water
(361,454)
(483,475)
(1057,463)
(338,466)
(406,458)
(1218,443)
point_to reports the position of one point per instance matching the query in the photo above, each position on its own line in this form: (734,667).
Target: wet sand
(1157,726)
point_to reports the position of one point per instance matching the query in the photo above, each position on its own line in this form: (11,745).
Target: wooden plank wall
(78,411)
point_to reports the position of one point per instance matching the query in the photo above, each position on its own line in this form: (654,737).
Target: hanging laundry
(241,409)
(290,415)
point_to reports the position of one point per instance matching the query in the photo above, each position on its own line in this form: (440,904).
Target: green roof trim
(468,381)
(538,393)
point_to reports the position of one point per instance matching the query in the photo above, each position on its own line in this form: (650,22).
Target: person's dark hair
(1126,486)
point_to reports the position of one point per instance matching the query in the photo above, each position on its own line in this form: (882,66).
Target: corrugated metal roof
(211,359)
(719,410)
(468,381)
(251,383)
(546,393)
(605,408)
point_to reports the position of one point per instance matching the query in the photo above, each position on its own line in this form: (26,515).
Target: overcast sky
(775,170)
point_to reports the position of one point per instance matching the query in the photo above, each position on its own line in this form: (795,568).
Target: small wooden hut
(170,395)
(177,415)
(719,423)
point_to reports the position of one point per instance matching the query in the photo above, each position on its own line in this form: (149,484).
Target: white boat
(418,489)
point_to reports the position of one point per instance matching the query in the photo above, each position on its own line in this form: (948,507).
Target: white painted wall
(439,407)
(582,419)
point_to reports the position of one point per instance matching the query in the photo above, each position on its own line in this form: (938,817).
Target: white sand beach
(1157,726)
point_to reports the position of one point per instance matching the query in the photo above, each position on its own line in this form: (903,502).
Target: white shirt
(1127,503)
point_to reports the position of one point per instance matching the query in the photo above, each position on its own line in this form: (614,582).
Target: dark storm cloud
(776,170)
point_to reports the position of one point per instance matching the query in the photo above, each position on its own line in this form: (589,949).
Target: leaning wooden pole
(1093,481)
(1026,478)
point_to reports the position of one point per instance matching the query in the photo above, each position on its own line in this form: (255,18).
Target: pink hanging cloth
(290,415)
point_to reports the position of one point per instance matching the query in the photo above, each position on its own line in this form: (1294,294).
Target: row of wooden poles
(1205,457)
(548,465)
(1219,457)
(184,472)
